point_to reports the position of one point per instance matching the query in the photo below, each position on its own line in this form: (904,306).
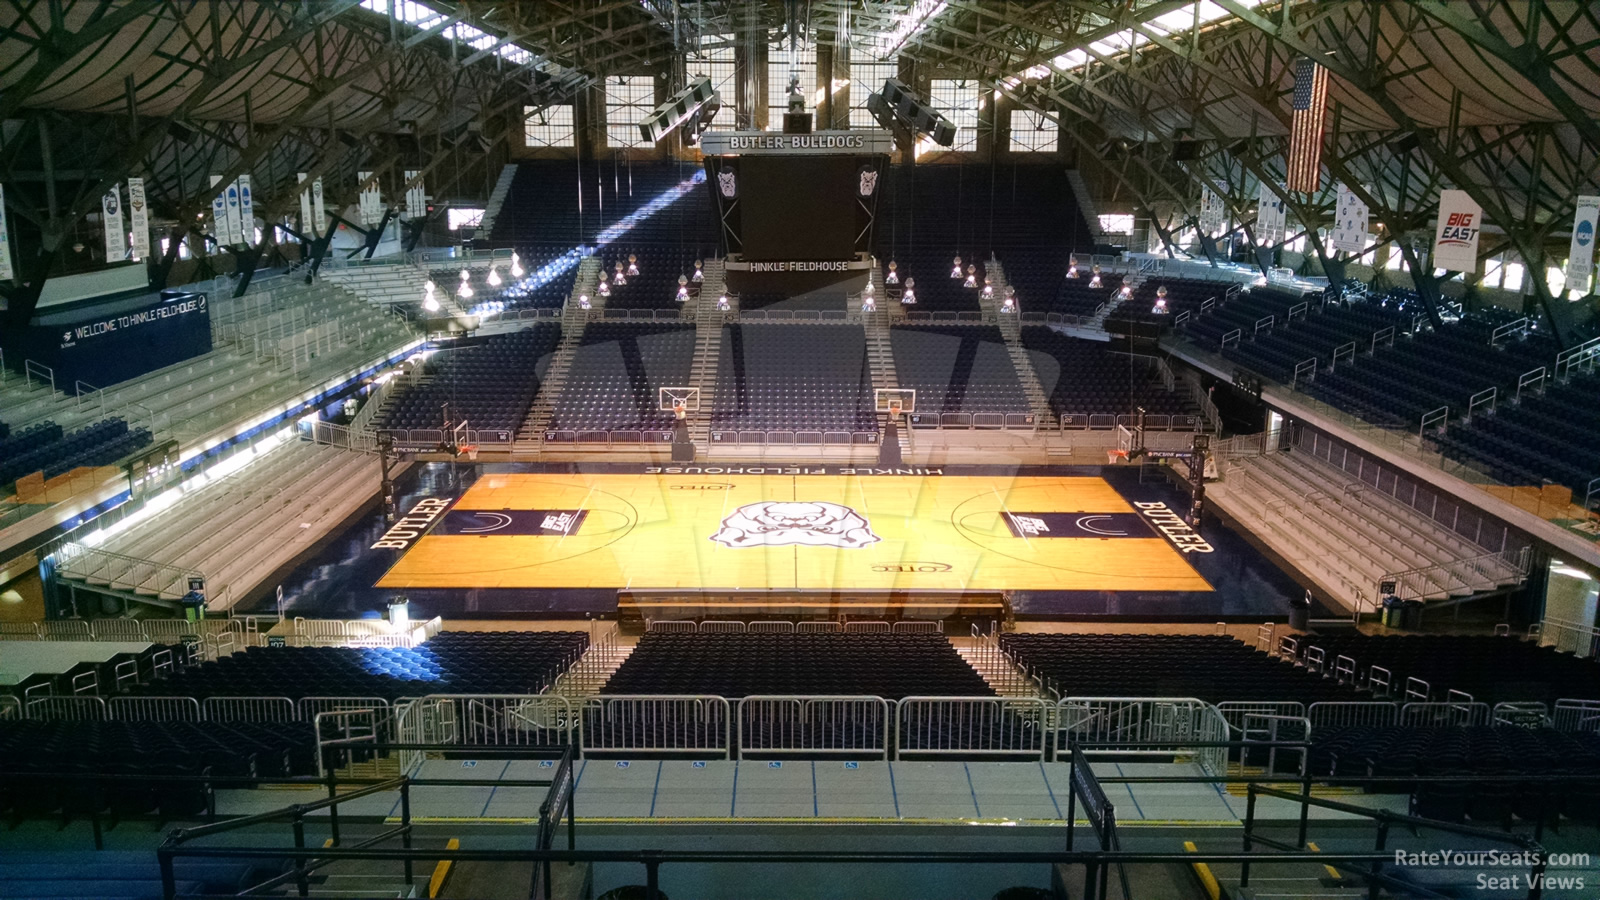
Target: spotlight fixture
(894,276)
(908,297)
(955,271)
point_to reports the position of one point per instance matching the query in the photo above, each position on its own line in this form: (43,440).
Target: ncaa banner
(235,215)
(1455,242)
(111,218)
(1349,222)
(1272,217)
(247,212)
(369,203)
(6,273)
(1580,259)
(138,218)
(1212,211)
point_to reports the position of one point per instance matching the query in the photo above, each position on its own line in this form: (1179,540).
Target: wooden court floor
(792,532)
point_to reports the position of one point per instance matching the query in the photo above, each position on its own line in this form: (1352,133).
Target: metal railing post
(301,884)
(1377,865)
(405,824)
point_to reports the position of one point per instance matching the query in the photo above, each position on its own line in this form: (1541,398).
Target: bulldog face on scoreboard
(776,523)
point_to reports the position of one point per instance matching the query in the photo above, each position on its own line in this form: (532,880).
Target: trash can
(1411,614)
(1300,613)
(1391,611)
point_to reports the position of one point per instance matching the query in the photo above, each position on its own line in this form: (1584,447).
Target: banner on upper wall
(1349,222)
(1212,212)
(1580,258)
(305,208)
(1455,241)
(247,212)
(416,197)
(319,216)
(103,347)
(6,272)
(1272,217)
(370,205)
(235,215)
(111,218)
(138,218)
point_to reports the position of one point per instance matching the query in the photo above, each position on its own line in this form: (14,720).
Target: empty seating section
(793,378)
(1401,752)
(1021,207)
(815,301)
(957,369)
(1554,435)
(891,666)
(1084,378)
(33,873)
(249,523)
(557,202)
(613,381)
(1491,669)
(1318,334)
(936,291)
(45,447)
(1213,668)
(656,284)
(1182,296)
(1443,367)
(499,662)
(490,382)
(1074,296)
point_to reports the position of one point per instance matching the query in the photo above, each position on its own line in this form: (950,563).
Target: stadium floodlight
(692,108)
(899,105)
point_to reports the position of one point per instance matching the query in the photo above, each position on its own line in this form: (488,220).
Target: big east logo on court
(777,523)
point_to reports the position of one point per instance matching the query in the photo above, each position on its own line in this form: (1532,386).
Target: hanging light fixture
(1009,305)
(1094,280)
(972,277)
(466,284)
(429,302)
(1160,307)
(909,296)
(516,265)
(1072,266)
(894,275)
(722,303)
(494,277)
(698,275)
(1125,292)
(633,264)
(955,270)
(683,288)
(583,301)
(619,278)
(988,288)
(869,303)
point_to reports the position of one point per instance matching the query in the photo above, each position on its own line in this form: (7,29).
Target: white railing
(1577,359)
(853,726)
(1140,720)
(1581,639)
(94,566)
(990,726)
(697,724)
(1467,575)
(1570,715)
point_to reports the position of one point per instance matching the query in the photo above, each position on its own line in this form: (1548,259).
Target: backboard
(668,398)
(895,400)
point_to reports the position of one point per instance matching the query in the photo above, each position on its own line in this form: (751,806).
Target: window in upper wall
(781,63)
(550,126)
(714,60)
(629,98)
(866,79)
(463,217)
(1116,223)
(1033,132)
(958,100)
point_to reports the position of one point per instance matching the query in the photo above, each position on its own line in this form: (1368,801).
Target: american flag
(1310,108)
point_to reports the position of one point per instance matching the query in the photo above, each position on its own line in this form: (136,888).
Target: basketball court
(795,532)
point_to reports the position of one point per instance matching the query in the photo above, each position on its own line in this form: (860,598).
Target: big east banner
(1455,242)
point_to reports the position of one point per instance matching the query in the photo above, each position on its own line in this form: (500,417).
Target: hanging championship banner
(1580,258)
(1272,217)
(1349,222)
(416,197)
(305,207)
(138,218)
(1455,242)
(111,218)
(219,213)
(6,273)
(235,215)
(371,205)
(319,216)
(247,212)
(1212,211)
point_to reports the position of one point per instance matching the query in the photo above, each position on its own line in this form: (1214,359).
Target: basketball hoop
(896,407)
(470,451)
(1114,456)
(680,409)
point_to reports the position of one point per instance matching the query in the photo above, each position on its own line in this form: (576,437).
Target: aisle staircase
(707,348)
(531,435)
(1011,329)
(497,199)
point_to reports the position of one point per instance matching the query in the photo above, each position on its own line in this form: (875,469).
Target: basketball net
(470,451)
(680,409)
(1114,456)
(895,408)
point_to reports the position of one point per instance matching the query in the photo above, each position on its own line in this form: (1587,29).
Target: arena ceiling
(1498,97)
